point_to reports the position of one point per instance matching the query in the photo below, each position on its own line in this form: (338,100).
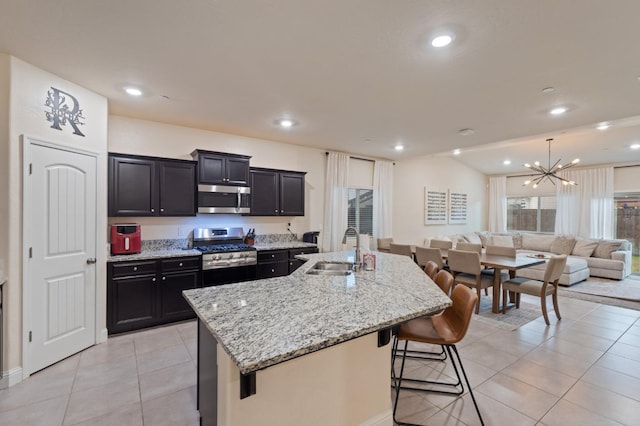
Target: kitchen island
(306,349)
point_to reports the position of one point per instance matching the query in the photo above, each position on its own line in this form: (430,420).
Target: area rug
(512,319)
(624,293)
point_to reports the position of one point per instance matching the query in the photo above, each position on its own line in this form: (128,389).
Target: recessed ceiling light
(285,123)
(506,162)
(466,132)
(558,111)
(635,146)
(456,152)
(603,126)
(133,91)
(548,89)
(442,40)
(399,147)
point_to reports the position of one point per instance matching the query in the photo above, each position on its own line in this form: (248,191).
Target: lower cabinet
(278,263)
(273,263)
(295,263)
(149,292)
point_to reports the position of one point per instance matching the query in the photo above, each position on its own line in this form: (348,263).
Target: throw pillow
(537,242)
(502,240)
(563,245)
(584,248)
(472,238)
(517,241)
(485,238)
(605,248)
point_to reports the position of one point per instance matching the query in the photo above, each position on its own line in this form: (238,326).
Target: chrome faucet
(358,260)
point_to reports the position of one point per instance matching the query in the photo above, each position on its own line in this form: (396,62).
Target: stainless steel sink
(331,268)
(331,272)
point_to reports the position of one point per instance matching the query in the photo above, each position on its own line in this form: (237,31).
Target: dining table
(500,263)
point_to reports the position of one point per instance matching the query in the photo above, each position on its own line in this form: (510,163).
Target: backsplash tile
(275,238)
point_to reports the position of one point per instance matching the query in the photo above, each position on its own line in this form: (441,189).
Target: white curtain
(382,200)
(586,209)
(336,194)
(497,204)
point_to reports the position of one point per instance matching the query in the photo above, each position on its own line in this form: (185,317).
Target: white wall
(5,64)
(132,136)
(28,92)
(626,179)
(438,173)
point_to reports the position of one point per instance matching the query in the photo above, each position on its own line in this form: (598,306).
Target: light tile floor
(583,370)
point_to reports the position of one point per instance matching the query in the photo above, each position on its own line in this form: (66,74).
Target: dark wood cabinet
(272,263)
(146,293)
(277,192)
(151,186)
(295,263)
(217,168)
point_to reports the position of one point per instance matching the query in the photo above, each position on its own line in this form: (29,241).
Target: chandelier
(549,173)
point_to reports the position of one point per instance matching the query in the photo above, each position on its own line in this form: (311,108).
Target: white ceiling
(358,75)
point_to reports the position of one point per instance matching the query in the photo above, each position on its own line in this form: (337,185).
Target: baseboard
(103,336)
(384,419)
(11,377)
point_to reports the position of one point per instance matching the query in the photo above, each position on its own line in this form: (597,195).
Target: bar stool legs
(458,387)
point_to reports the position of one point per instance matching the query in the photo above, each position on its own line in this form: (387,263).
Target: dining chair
(425,254)
(383,244)
(445,329)
(431,269)
(548,286)
(466,269)
(403,249)
(444,280)
(469,247)
(441,244)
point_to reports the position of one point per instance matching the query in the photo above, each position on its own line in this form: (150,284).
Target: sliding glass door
(627,217)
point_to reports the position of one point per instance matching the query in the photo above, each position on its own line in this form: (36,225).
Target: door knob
(91,261)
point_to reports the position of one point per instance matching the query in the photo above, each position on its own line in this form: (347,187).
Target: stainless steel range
(225,258)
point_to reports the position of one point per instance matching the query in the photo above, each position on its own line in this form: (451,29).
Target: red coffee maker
(125,238)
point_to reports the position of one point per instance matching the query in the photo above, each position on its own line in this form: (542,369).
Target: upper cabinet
(217,168)
(151,186)
(277,192)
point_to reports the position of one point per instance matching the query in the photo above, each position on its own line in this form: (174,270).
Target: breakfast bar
(308,348)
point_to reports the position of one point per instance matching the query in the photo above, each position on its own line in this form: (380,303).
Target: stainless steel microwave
(224,199)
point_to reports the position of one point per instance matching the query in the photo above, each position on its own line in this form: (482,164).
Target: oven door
(222,276)
(223,199)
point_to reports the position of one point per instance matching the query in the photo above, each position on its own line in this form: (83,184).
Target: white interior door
(60,246)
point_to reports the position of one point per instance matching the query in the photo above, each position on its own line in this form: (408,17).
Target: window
(536,214)
(360,212)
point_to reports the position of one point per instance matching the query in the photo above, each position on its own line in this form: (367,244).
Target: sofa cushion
(563,244)
(537,242)
(584,247)
(605,248)
(502,240)
(600,263)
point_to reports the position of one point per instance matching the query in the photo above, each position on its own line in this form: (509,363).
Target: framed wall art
(457,208)
(435,207)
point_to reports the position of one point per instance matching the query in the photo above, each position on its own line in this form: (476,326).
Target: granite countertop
(153,254)
(283,245)
(265,322)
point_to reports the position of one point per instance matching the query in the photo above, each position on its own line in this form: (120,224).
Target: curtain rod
(358,158)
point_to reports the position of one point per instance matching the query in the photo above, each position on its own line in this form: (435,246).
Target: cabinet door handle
(180,264)
(273,255)
(153,210)
(276,211)
(161,210)
(273,270)
(91,261)
(153,279)
(135,268)
(164,278)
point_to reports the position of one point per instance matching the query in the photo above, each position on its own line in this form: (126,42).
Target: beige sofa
(586,257)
